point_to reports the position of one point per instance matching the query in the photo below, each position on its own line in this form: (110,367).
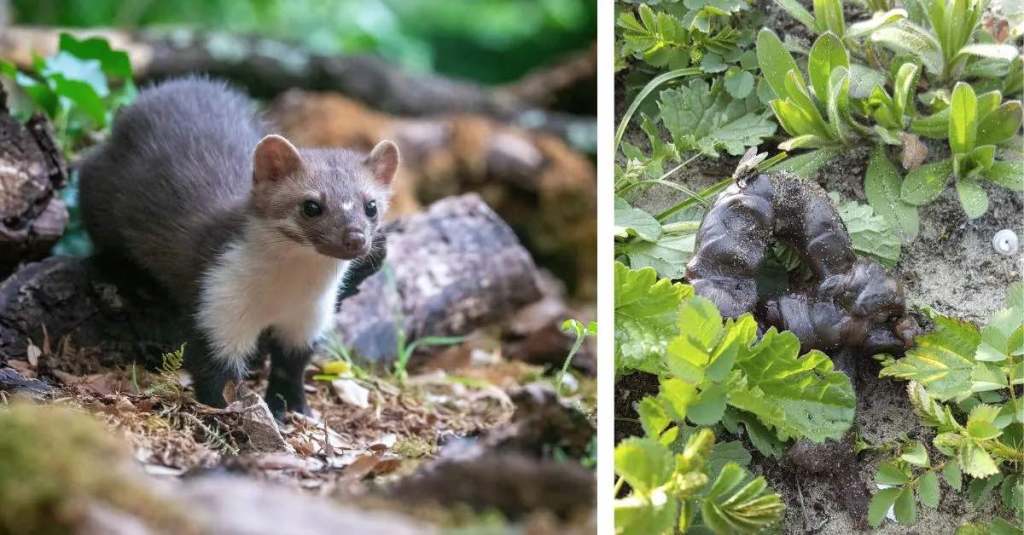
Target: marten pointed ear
(274,158)
(383,162)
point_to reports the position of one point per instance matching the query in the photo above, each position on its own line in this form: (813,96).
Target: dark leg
(208,375)
(287,366)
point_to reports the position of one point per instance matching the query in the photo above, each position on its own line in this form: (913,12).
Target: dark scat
(851,303)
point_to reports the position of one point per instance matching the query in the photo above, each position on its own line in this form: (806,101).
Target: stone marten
(251,235)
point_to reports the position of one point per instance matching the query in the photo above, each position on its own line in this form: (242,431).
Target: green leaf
(652,416)
(890,473)
(990,51)
(651,86)
(676,396)
(668,255)
(736,505)
(924,184)
(806,165)
(739,83)
(644,463)
(646,515)
(826,54)
(880,504)
(113,62)
(870,233)
(775,61)
(973,198)
(916,455)
(928,489)
(951,473)
(877,20)
(905,507)
(829,16)
(1001,125)
(976,462)
(882,188)
(799,13)
(646,310)
(1008,174)
(630,221)
(981,422)
(963,119)
(979,489)
(941,360)
(84,96)
(709,406)
(85,71)
(798,397)
(907,37)
(702,117)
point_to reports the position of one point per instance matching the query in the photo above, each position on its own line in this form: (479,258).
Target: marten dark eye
(311,209)
(371,209)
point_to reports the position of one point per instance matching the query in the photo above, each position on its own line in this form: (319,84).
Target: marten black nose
(354,240)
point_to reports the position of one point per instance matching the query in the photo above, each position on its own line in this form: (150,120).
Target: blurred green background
(489,41)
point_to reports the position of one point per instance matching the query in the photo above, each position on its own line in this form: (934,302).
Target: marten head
(330,199)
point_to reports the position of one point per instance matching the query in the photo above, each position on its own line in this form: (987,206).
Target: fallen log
(267,67)
(450,270)
(32,169)
(545,190)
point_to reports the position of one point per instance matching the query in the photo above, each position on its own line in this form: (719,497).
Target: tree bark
(267,67)
(450,270)
(32,216)
(542,188)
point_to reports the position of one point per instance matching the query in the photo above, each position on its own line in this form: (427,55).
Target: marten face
(329,199)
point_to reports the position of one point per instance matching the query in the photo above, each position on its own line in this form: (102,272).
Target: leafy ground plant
(79,89)
(863,86)
(964,384)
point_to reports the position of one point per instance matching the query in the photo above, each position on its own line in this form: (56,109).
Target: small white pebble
(1005,242)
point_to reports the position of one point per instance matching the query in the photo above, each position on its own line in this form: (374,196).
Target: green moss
(55,462)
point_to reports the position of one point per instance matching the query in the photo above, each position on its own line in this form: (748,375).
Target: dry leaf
(351,392)
(914,152)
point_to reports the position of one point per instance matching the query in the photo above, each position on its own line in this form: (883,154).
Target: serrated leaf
(732,506)
(890,473)
(880,504)
(924,184)
(951,473)
(976,462)
(882,189)
(941,361)
(905,507)
(798,397)
(928,489)
(646,515)
(739,83)
(630,221)
(709,406)
(870,233)
(704,118)
(646,310)
(652,416)
(981,422)
(644,463)
(916,455)
(668,255)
